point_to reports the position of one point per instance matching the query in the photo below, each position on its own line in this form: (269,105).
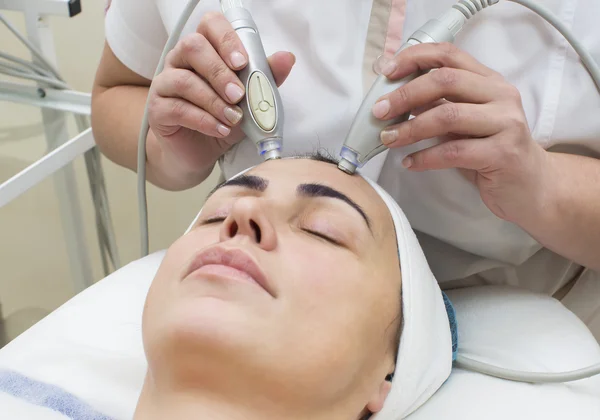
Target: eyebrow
(259,184)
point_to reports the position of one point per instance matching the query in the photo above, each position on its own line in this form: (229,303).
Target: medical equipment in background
(363,141)
(55,98)
(262,106)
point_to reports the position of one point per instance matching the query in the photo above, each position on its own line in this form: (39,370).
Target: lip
(235,258)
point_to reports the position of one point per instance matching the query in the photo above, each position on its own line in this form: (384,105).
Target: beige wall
(34,264)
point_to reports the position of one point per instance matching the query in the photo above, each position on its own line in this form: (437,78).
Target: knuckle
(182,81)
(449,113)
(451,151)
(178,110)
(445,77)
(216,70)
(513,93)
(202,122)
(413,128)
(229,39)
(516,121)
(214,103)
(508,154)
(447,48)
(402,95)
(192,43)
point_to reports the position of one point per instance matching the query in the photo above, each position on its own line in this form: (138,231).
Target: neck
(158,403)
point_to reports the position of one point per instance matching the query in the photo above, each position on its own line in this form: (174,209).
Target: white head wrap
(425,354)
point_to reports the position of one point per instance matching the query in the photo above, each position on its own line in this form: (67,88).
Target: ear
(377,400)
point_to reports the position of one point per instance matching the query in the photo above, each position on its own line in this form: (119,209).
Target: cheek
(163,297)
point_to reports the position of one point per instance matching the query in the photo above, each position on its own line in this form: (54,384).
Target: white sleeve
(136,34)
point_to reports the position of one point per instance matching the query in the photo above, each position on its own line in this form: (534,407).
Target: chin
(207,324)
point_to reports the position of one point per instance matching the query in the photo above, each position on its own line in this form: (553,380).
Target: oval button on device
(261,101)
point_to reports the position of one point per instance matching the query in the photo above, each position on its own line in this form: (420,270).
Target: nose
(247,218)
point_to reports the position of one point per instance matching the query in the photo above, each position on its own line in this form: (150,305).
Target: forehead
(286,174)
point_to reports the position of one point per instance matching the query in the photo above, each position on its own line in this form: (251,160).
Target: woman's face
(289,282)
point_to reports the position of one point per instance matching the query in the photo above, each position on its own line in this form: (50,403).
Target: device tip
(272,154)
(347,167)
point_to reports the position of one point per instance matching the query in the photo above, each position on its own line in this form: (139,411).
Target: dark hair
(321,155)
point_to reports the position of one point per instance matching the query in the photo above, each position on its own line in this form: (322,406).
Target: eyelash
(312,232)
(325,237)
(213,220)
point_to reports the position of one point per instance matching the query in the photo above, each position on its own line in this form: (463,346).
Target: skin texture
(480,119)
(317,343)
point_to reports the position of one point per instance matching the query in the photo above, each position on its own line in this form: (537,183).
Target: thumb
(281,64)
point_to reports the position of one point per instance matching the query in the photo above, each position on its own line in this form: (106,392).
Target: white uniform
(336,43)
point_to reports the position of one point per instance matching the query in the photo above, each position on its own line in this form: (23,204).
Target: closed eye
(213,220)
(322,236)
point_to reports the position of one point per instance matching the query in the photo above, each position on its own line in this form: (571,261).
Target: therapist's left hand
(480,119)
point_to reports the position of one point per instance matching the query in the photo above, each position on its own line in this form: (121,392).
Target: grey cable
(36,53)
(32,66)
(16,67)
(528,377)
(46,73)
(145,128)
(586,58)
(469,8)
(34,77)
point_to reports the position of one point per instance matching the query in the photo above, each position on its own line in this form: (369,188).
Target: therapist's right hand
(193,108)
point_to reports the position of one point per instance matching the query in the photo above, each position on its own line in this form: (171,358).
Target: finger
(219,32)
(169,113)
(455,85)
(422,109)
(429,56)
(474,154)
(185,84)
(462,119)
(195,52)
(281,64)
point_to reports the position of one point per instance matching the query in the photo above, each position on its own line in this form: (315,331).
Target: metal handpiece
(262,106)
(364,138)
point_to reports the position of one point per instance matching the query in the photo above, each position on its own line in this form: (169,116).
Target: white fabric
(324,91)
(524,331)
(425,354)
(91,347)
(327,74)
(459,235)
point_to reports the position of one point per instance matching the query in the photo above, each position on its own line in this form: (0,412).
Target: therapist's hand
(193,111)
(478,116)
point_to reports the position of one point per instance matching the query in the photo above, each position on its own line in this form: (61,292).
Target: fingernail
(389,136)
(407,162)
(388,68)
(234,92)
(237,59)
(223,130)
(293,58)
(234,115)
(381,108)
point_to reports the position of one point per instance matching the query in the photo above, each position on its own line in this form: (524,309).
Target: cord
(530,377)
(145,128)
(32,66)
(45,74)
(34,51)
(470,8)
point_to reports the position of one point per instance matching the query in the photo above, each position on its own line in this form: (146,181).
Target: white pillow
(91,347)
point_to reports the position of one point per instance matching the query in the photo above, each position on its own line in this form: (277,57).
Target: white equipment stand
(58,161)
